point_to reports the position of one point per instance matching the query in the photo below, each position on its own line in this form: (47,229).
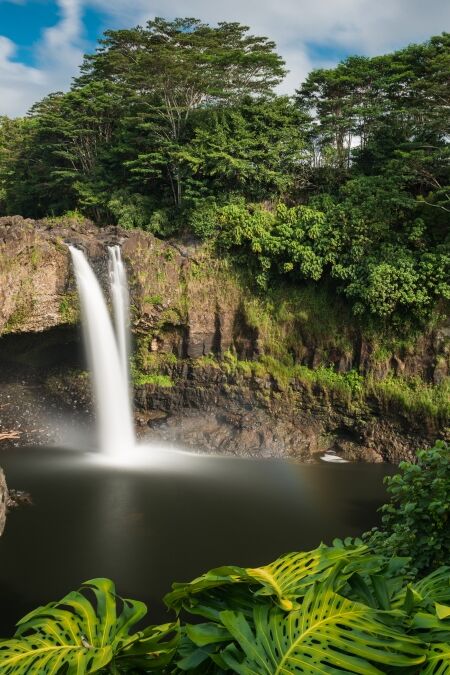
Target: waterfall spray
(107,356)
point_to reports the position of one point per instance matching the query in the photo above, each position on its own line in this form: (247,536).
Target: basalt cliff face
(198,329)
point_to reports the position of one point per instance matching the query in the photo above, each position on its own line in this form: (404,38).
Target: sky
(42,41)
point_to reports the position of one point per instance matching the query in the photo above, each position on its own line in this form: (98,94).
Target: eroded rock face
(3,501)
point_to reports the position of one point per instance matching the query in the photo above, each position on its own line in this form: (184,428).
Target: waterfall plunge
(107,355)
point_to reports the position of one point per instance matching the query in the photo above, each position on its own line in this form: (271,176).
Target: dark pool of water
(168,521)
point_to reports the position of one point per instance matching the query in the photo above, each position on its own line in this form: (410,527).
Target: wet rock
(3,501)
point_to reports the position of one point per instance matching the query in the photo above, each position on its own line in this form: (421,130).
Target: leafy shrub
(203,220)
(348,241)
(416,520)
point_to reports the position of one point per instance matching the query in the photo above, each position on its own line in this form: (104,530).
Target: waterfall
(121,304)
(107,355)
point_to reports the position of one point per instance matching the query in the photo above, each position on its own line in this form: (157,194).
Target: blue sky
(42,41)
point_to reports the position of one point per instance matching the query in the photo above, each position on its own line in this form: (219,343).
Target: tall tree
(171,68)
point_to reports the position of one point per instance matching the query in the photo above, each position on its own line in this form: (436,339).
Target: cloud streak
(349,26)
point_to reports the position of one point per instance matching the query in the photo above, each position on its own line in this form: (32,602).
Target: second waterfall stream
(107,351)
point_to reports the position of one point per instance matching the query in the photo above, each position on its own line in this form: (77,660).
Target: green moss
(148,362)
(24,304)
(157,380)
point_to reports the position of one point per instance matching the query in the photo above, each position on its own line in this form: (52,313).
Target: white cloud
(58,54)
(358,26)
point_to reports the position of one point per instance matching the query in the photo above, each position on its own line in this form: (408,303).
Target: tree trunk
(3,501)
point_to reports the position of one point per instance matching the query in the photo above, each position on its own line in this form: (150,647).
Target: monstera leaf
(154,649)
(424,593)
(329,634)
(288,578)
(438,660)
(183,593)
(201,643)
(80,634)
(285,580)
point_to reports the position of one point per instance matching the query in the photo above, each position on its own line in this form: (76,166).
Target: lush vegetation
(351,607)
(416,521)
(175,128)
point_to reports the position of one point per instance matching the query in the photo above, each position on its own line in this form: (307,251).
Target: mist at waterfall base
(147,516)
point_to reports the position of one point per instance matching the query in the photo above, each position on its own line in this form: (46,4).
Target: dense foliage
(175,127)
(416,521)
(351,607)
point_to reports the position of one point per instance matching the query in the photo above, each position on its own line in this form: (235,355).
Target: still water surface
(147,525)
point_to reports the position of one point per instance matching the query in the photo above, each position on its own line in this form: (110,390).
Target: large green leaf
(328,634)
(153,649)
(80,634)
(183,593)
(289,577)
(435,587)
(286,579)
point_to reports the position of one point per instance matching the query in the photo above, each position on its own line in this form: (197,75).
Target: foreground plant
(338,609)
(84,632)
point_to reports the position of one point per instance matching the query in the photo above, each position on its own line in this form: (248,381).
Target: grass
(153,299)
(287,317)
(414,396)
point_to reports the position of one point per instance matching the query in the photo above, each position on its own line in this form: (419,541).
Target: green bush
(203,220)
(416,520)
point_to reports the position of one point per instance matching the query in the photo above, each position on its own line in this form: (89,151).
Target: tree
(253,149)
(170,69)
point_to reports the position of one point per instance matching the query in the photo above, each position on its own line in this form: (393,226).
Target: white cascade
(121,304)
(107,356)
